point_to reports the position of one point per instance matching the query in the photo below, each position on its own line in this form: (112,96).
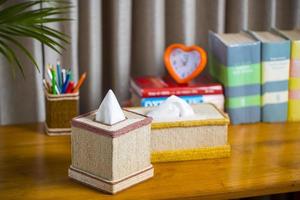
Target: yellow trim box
(202,136)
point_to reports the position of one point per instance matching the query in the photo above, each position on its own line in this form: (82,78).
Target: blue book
(234,60)
(275,56)
(155,101)
(216,99)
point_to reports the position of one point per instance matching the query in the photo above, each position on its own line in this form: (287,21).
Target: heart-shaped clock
(184,63)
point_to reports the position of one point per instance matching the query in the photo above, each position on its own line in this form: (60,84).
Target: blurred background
(113,40)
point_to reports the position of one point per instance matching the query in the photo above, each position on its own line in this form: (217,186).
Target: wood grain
(265,160)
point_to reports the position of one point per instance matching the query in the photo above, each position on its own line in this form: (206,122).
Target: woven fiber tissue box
(60,109)
(202,136)
(111,157)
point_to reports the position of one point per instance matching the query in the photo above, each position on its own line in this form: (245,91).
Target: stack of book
(260,73)
(151,91)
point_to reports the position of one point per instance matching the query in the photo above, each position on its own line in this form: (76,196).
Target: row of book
(260,72)
(151,91)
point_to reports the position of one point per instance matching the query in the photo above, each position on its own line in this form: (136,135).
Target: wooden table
(265,160)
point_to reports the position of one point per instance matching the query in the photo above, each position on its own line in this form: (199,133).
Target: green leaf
(57,32)
(17,8)
(29,19)
(12,56)
(18,44)
(24,31)
(41,15)
(51,33)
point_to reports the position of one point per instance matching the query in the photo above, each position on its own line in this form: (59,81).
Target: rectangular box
(234,60)
(202,136)
(111,158)
(60,109)
(275,56)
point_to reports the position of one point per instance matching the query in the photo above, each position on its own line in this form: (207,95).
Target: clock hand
(184,59)
(185,62)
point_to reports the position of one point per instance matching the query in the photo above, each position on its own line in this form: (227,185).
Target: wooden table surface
(265,160)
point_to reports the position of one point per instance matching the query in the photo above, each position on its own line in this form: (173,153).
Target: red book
(151,86)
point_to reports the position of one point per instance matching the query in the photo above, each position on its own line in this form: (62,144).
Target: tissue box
(60,109)
(201,136)
(111,158)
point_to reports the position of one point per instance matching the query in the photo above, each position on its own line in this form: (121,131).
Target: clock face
(184,63)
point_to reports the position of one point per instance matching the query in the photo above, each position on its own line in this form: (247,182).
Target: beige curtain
(115,39)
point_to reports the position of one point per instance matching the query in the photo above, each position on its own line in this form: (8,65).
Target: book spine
(294,83)
(238,68)
(155,101)
(216,54)
(217,100)
(275,76)
(180,91)
(165,92)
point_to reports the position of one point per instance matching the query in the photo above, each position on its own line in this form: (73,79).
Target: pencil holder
(60,109)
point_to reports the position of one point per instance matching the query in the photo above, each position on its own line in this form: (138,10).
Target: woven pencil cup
(60,109)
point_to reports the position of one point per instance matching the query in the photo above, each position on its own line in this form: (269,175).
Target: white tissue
(167,111)
(185,108)
(172,107)
(110,111)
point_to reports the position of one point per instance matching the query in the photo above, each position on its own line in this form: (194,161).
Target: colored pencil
(64,87)
(54,91)
(70,87)
(80,82)
(58,74)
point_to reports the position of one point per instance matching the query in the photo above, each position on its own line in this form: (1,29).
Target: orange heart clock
(184,63)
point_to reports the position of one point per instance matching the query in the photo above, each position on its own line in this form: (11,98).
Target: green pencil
(53,81)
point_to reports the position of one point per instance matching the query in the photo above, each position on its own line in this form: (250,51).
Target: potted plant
(30,19)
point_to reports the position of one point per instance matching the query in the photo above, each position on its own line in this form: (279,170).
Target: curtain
(113,40)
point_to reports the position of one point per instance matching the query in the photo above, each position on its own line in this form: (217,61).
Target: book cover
(151,86)
(294,81)
(275,57)
(234,60)
(216,99)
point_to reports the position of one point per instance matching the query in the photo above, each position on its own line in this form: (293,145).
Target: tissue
(110,111)
(172,107)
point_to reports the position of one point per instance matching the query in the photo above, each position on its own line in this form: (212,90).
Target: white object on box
(173,107)
(110,111)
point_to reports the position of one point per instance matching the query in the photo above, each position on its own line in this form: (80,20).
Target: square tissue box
(201,136)
(111,152)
